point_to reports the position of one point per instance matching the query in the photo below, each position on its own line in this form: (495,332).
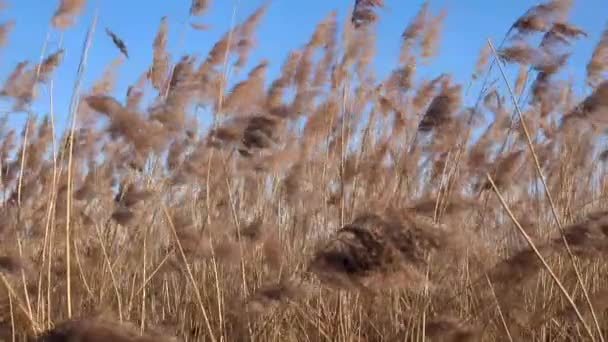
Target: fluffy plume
(207,204)
(482,61)
(598,64)
(540,17)
(66,12)
(430,37)
(199,7)
(373,247)
(245,41)
(160,64)
(363,12)
(417,25)
(441,108)
(5,28)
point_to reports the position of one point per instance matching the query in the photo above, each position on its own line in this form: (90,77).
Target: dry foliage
(66,12)
(323,203)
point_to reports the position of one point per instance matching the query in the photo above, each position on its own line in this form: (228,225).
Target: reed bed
(323,204)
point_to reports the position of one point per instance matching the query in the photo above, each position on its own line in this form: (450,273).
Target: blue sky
(286,25)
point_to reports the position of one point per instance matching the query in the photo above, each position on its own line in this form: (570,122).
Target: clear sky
(286,25)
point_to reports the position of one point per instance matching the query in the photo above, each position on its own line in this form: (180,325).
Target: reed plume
(66,12)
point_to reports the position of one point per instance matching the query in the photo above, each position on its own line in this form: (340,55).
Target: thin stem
(73,113)
(195,288)
(540,257)
(547,192)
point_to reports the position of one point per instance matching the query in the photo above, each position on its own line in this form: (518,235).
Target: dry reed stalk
(23,278)
(50,63)
(73,117)
(109,265)
(49,225)
(542,259)
(548,194)
(190,275)
(221,48)
(13,296)
(502,318)
(329,171)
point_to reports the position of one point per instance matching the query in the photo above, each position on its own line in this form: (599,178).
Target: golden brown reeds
(144,135)
(373,247)
(442,108)
(319,177)
(416,26)
(66,12)
(245,40)
(592,107)
(482,61)
(506,168)
(430,37)
(160,64)
(21,84)
(599,59)
(5,28)
(540,17)
(244,96)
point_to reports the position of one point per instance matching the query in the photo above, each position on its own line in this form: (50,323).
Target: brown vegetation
(355,209)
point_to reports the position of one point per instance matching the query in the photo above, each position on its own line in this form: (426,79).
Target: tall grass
(322,205)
